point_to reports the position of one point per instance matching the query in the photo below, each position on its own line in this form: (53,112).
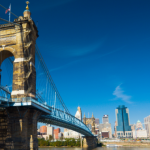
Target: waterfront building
(105,119)
(105,130)
(43,130)
(50,130)
(60,135)
(65,130)
(138,131)
(123,123)
(56,133)
(147,125)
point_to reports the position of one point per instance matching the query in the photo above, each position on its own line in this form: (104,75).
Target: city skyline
(97,53)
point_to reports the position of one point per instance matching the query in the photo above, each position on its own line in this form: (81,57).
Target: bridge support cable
(46,71)
(9,22)
(9,11)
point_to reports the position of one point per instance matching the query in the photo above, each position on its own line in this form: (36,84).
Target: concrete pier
(89,142)
(18,128)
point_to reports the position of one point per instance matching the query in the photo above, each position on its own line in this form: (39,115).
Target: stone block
(89,142)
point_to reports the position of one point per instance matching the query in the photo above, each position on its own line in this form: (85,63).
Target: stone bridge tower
(18,124)
(18,40)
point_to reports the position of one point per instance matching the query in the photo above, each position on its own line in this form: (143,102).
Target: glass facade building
(123,124)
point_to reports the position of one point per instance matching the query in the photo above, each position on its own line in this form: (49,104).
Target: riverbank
(128,144)
(58,146)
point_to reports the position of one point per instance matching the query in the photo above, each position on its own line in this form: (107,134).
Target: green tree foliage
(51,138)
(43,142)
(67,142)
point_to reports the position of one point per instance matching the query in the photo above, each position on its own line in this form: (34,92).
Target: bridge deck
(49,114)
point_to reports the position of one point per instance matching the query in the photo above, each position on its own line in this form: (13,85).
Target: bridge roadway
(49,114)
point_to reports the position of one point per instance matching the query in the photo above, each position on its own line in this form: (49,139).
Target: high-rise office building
(123,123)
(147,125)
(105,128)
(105,119)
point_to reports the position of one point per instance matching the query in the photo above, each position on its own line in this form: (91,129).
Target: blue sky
(96,51)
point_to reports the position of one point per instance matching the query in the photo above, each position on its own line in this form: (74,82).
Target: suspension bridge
(31,95)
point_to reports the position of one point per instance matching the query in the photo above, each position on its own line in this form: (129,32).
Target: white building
(147,125)
(50,131)
(138,131)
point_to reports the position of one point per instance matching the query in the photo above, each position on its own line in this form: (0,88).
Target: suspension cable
(9,22)
(42,63)
(37,51)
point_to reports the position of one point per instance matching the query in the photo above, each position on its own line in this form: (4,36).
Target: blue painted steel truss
(49,114)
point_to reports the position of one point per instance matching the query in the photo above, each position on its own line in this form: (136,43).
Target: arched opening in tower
(6,73)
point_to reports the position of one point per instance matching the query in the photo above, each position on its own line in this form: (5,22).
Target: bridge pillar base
(89,142)
(20,128)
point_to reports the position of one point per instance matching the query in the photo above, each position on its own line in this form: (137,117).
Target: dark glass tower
(122,116)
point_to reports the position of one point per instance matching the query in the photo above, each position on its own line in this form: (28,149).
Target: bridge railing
(3,99)
(53,112)
(29,99)
(58,114)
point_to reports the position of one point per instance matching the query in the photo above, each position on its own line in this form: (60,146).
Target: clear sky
(97,52)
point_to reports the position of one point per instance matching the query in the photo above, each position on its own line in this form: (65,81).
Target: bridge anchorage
(25,105)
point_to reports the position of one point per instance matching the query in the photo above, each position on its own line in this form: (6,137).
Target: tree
(50,138)
(61,138)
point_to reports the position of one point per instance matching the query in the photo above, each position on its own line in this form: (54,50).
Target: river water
(98,148)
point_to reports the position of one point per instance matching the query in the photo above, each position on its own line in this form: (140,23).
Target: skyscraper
(105,127)
(123,124)
(105,119)
(147,125)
